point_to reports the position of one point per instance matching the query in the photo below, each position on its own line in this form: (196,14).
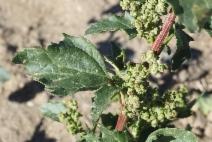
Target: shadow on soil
(40,135)
(27,93)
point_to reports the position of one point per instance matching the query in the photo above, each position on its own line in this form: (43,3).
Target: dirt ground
(28,23)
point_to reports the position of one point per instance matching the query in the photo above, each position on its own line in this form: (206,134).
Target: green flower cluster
(151,59)
(147,16)
(159,109)
(143,101)
(71,117)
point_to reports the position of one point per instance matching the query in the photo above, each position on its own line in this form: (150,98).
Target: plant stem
(163,33)
(122,120)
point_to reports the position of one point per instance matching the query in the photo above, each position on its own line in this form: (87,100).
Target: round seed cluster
(71,117)
(144,101)
(147,16)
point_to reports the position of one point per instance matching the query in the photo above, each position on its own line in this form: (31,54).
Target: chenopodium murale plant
(143,102)
(71,117)
(147,16)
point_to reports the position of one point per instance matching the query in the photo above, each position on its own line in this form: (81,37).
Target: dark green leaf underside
(71,66)
(116,51)
(52,109)
(132,33)
(183,49)
(171,135)
(193,14)
(102,100)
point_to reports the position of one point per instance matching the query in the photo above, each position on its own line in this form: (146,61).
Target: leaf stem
(165,30)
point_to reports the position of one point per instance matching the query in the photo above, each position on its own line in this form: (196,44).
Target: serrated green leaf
(71,66)
(171,135)
(114,23)
(204,104)
(183,49)
(113,136)
(102,100)
(52,109)
(4,75)
(193,14)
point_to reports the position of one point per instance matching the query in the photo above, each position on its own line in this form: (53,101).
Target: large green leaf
(52,109)
(68,67)
(204,104)
(183,49)
(102,99)
(114,23)
(171,135)
(113,136)
(193,14)
(4,75)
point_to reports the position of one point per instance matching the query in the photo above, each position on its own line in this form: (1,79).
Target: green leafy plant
(4,75)
(75,65)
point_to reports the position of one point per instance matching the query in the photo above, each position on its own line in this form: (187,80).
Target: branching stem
(122,120)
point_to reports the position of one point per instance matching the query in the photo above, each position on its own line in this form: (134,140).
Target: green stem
(166,42)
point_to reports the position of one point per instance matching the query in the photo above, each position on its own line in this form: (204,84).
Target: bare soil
(29,23)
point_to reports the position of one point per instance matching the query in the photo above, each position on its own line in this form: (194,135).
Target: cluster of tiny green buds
(164,107)
(71,117)
(132,105)
(152,59)
(146,16)
(137,86)
(143,101)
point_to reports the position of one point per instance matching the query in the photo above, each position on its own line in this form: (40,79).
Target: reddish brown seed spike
(165,29)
